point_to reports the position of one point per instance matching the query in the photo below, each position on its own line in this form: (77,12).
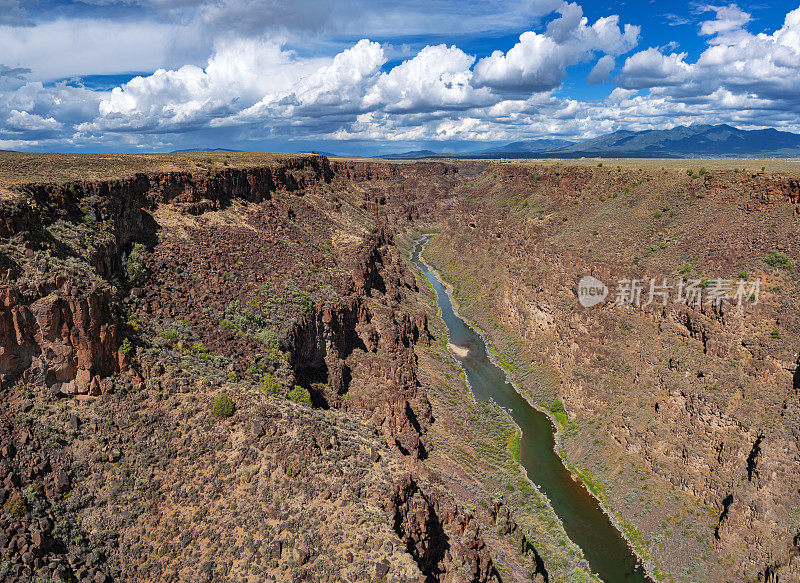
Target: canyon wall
(683,418)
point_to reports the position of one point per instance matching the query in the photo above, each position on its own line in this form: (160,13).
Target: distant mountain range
(189,150)
(717,141)
(413,154)
(526,146)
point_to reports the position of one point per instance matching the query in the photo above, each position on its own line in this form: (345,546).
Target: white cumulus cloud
(601,70)
(538,62)
(651,68)
(438,77)
(24,121)
(765,66)
(728,18)
(237,75)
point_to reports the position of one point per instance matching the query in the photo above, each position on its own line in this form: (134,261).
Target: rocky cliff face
(57,319)
(64,340)
(440,537)
(339,347)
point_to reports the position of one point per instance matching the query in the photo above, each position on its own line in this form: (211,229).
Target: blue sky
(361,77)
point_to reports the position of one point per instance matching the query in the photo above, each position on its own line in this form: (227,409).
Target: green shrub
(199,349)
(557,406)
(269,385)
(134,266)
(658,214)
(134,323)
(300,395)
(31,493)
(595,486)
(15,505)
(302,300)
(513,445)
(169,334)
(269,338)
(126,347)
(777,259)
(258,366)
(222,405)
(242,320)
(775,333)
(702,170)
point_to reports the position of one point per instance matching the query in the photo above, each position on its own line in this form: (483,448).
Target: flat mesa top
(21,168)
(781,165)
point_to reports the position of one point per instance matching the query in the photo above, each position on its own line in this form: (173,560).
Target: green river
(606,550)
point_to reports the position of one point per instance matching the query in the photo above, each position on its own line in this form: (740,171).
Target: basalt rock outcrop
(65,341)
(371,340)
(438,534)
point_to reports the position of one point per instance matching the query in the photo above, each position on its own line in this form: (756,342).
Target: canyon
(138,292)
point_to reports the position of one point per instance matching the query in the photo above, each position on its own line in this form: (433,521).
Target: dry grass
(783,165)
(746,164)
(20,168)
